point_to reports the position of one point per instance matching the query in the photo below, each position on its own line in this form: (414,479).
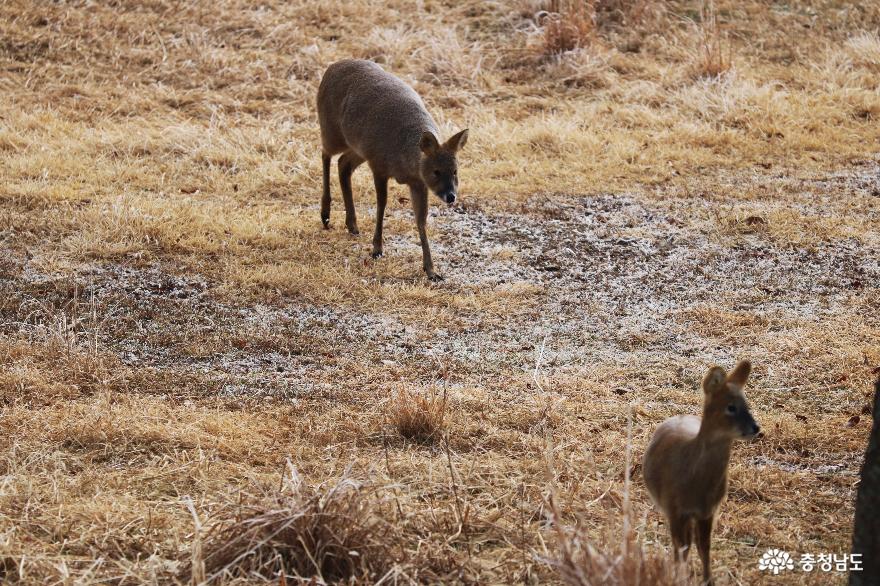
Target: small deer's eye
(731,409)
(436,172)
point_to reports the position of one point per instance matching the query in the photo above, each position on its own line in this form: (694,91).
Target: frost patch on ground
(839,469)
(611,278)
(617,271)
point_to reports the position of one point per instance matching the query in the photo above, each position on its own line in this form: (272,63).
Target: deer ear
(456,141)
(714,380)
(740,374)
(429,144)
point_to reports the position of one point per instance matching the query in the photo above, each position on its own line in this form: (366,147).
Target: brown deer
(367,114)
(685,465)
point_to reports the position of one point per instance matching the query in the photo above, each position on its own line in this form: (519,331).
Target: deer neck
(711,451)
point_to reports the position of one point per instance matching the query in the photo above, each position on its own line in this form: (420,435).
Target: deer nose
(755,429)
(448,197)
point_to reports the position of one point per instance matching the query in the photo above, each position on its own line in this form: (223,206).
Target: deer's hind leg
(348,162)
(381,202)
(681,529)
(325,196)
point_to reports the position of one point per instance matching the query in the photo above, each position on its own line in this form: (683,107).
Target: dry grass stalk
(418,417)
(333,532)
(569,25)
(197,558)
(579,563)
(715,54)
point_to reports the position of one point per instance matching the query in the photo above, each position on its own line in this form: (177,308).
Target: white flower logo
(775,560)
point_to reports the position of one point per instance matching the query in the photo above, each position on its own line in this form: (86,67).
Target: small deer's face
(726,412)
(439,165)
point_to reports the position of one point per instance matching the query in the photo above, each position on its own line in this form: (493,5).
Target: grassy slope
(174,322)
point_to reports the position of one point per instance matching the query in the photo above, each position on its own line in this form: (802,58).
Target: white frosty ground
(613,281)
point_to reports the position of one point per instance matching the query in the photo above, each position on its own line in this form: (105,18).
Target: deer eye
(436,172)
(731,409)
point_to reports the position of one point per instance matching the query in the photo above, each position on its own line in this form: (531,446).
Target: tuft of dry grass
(418,416)
(714,54)
(333,532)
(568,25)
(629,561)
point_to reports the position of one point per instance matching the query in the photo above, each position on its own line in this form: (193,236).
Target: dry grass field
(199,383)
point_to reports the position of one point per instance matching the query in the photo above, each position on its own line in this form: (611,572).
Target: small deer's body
(367,114)
(685,464)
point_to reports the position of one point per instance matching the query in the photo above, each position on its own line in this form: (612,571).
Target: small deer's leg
(681,530)
(419,194)
(325,197)
(381,201)
(348,162)
(704,537)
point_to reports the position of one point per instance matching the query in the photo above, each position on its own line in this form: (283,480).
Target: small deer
(685,465)
(367,114)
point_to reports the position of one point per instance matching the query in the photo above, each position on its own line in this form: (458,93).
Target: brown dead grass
(580,563)
(715,57)
(568,25)
(334,533)
(664,190)
(416,416)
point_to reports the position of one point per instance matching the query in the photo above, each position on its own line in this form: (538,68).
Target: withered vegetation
(649,187)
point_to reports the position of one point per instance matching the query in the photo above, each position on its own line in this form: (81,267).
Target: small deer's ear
(456,141)
(429,144)
(714,380)
(740,374)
